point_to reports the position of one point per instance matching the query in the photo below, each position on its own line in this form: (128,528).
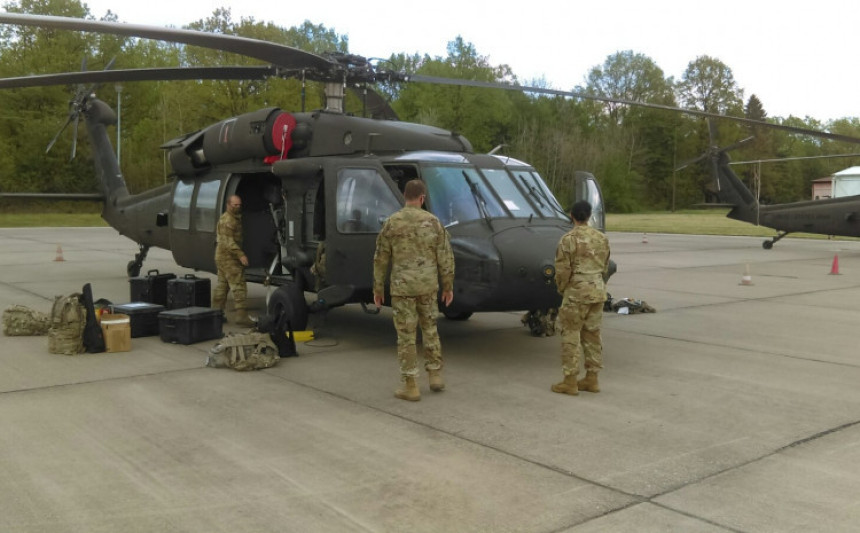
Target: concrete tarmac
(734,407)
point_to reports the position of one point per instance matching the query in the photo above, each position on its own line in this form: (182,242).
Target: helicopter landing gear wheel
(767,245)
(450,315)
(289,300)
(133,267)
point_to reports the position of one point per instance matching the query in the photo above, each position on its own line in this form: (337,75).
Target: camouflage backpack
(68,319)
(244,351)
(19,320)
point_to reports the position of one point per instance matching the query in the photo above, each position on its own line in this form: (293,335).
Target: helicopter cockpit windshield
(460,194)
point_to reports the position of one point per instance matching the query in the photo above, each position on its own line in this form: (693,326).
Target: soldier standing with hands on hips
(581,266)
(231,262)
(416,246)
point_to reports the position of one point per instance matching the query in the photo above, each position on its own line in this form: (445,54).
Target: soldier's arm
(445,260)
(563,267)
(381,260)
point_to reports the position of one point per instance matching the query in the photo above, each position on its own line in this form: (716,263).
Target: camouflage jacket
(416,246)
(229,247)
(581,259)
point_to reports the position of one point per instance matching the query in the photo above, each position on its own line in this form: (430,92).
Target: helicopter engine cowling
(262,134)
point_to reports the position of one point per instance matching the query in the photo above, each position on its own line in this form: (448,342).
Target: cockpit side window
(364,201)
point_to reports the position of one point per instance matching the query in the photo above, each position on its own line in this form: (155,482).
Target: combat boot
(436,383)
(568,386)
(589,382)
(242,319)
(408,390)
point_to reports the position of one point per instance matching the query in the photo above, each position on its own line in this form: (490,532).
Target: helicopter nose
(513,270)
(529,259)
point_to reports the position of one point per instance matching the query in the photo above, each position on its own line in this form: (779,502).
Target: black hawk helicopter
(326,180)
(832,216)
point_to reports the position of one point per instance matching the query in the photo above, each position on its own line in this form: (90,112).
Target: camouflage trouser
(231,277)
(580,326)
(410,312)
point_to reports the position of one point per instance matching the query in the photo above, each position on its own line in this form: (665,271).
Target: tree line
(633,151)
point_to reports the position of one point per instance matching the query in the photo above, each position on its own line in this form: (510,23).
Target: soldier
(581,264)
(416,246)
(231,262)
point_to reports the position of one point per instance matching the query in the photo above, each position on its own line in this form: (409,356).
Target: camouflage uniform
(581,260)
(231,273)
(416,245)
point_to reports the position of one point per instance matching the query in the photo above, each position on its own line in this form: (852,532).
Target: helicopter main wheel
(450,315)
(133,269)
(289,299)
(767,245)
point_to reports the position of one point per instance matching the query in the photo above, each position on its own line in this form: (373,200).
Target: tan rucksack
(19,320)
(68,319)
(244,351)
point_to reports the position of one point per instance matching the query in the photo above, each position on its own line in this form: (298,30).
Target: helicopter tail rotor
(77,106)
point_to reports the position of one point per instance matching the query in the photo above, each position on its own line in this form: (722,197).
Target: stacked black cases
(190,324)
(150,288)
(143,317)
(189,291)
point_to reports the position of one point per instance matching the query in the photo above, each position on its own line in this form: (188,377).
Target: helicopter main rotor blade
(571,94)
(276,54)
(142,74)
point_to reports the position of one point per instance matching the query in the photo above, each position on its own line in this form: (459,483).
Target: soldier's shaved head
(414,189)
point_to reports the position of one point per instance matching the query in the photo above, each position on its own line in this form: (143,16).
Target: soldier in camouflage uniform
(581,262)
(231,262)
(416,246)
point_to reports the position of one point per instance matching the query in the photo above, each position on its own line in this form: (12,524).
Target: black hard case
(150,288)
(143,317)
(189,291)
(190,324)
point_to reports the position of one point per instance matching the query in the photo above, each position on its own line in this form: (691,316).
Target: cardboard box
(116,329)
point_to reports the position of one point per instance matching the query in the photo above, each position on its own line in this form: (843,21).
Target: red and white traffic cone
(59,256)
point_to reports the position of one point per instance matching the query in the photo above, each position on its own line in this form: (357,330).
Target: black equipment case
(189,291)
(150,288)
(190,324)
(142,315)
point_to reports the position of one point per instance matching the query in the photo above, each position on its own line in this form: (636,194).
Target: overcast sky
(798,60)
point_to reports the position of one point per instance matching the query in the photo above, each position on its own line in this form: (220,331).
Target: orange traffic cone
(747,278)
(59,256)
(835,268)
(644,238)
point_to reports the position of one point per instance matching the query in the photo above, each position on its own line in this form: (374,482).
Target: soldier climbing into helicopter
(231,261)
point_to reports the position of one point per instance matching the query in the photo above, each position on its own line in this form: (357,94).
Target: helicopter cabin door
(193,216)
(364,197)
(587,188)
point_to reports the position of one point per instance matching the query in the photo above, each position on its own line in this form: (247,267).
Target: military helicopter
(317,186)
(833,216)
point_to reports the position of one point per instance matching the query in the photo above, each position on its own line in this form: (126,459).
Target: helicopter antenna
(496,149)
(304,85)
